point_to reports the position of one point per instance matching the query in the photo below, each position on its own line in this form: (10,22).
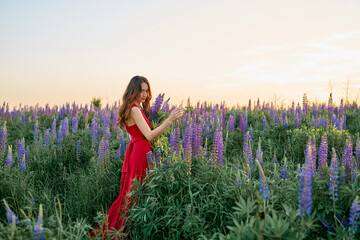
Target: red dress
(135,166)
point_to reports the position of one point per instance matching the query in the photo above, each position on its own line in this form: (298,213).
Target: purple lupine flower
(263,188)
(187,142)
(53,129)
(75,123)
(9,158)
(305,186)
(259,154)
(323,151)
(316,117)
(66,126)
(158,157)
(36,130)
(333,119)
(196,140)
(285,123)
(264,123)
(177,139)
(342,174)
(150,157)
(122,144)
(284,171)
(60,135)
(2,141)
(347,157)
(101,153)
(248,153)
(78,148)
(276,120)
(22,155)
(38,230)
(238,181)
(333,186)
(157,105)
(10,214)
(173,141)
(214,149)
(220,147)
(354,216)
(231,123)
(47,138)
(297,120)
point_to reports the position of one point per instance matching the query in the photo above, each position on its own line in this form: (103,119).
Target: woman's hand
(176,113)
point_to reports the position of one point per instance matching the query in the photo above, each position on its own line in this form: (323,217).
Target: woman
(133,116)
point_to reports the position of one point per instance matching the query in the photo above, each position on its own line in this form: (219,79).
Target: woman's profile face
(143,94)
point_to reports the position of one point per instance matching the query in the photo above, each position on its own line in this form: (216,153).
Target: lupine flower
(38,230)
(2,141)
(173,141)
(333,186)
(196,140)
(101,153)
(347,157)
(9,158)
(78,148)
(263,188)
(47,138)
(158,157)
(10,214)
(122,144)
(305,186)
(231,123)
(238,181)
(248,153)
(150,157)
(323,151)
(177,139)
(284,171)
(276,120)
(22,155)
(60,136)
(36,130)
(316,117)
(354,216)
(285,123)
(342,174)
(75,123)
(157,105)
(187,141)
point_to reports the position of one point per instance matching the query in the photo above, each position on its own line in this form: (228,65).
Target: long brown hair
(132,91)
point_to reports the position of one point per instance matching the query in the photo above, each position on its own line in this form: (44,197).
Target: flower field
(258,171)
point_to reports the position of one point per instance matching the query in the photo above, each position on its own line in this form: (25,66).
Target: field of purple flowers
(244,172)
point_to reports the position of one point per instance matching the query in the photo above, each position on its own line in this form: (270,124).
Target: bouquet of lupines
(159,112)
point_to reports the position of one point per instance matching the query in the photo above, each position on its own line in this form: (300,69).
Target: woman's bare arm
(149,134)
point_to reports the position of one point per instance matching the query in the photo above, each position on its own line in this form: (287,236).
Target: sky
(57,52)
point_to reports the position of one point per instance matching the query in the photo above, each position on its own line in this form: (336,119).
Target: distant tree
(96,102)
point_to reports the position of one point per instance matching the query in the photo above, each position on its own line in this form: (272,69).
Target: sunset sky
(64,51)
